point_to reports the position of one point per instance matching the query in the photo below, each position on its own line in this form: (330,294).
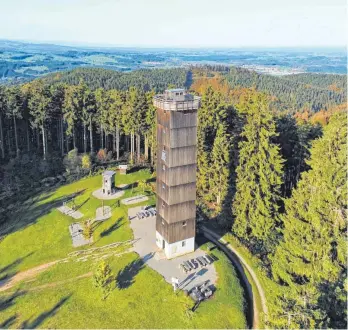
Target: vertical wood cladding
(178,137)
(176,156)
(176,212)
(176,194)
(177,231)
(173,176)
(176,174)
(181,119)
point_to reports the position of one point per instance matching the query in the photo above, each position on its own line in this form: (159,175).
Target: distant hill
(23,61)
(298,91)
(157,79)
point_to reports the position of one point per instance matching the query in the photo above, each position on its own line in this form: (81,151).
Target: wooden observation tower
(176,171)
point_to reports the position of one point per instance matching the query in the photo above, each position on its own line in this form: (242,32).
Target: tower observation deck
(176,171)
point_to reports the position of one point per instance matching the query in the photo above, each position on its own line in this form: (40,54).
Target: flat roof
(175,90)
(109,173)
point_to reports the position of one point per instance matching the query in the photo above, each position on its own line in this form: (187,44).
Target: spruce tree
(220,167)
(311,258)
(40,106)
(259,176)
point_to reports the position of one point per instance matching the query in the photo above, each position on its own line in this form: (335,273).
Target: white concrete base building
(177,248)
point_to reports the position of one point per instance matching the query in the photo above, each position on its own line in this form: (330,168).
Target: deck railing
(161,102)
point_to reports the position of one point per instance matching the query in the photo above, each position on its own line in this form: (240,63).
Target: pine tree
(40,108)
(14,110)
(203,167)
(259,176)
(70,114)
(311,258)
(150,128)
(3,106)
(220,167)
(85,106)
(115,111)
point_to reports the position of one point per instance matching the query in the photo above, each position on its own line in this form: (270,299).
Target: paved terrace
(144,230)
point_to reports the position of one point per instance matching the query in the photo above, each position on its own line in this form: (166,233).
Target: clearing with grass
(62,294)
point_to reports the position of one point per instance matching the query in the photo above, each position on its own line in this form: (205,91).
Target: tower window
(184,223)
(163,167)
(183,243)
(163,186)
(163,205)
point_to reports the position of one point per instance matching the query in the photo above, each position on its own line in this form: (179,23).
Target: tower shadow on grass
(125,277)
(45,315)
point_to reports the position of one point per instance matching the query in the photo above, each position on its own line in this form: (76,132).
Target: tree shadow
(125,277)
(148,256)
(29,215)
(83,203)
(8,301)
(113,227)
(136,168)
(7,272)
(151,180)
(8,322)
(43,316)
(116,204)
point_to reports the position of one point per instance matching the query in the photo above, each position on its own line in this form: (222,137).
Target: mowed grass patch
(226,309)
(42,233)
(140,299)
(146,302)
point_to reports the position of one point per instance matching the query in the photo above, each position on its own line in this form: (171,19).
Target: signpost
(175,283)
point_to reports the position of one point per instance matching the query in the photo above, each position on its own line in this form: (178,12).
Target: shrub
(72,162)
(86,162)
(101,155)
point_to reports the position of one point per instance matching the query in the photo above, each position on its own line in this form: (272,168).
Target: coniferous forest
(272,158)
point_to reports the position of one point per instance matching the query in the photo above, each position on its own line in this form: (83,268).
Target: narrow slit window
(183,243)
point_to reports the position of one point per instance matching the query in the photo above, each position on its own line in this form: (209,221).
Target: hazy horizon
(177,24)
(144,47)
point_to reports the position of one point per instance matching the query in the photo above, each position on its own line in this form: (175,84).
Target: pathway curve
(241,264)
(35,271)
(27,274)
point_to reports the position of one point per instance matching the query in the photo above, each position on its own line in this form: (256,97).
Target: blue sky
(177,23)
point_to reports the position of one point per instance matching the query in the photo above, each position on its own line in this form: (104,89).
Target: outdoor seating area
(76,232)
(150,212)
(195,263)
(201,292)
(147,249)
(65,209)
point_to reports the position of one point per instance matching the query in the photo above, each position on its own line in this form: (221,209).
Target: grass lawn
(42,232)
(64,295)
(141,299)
